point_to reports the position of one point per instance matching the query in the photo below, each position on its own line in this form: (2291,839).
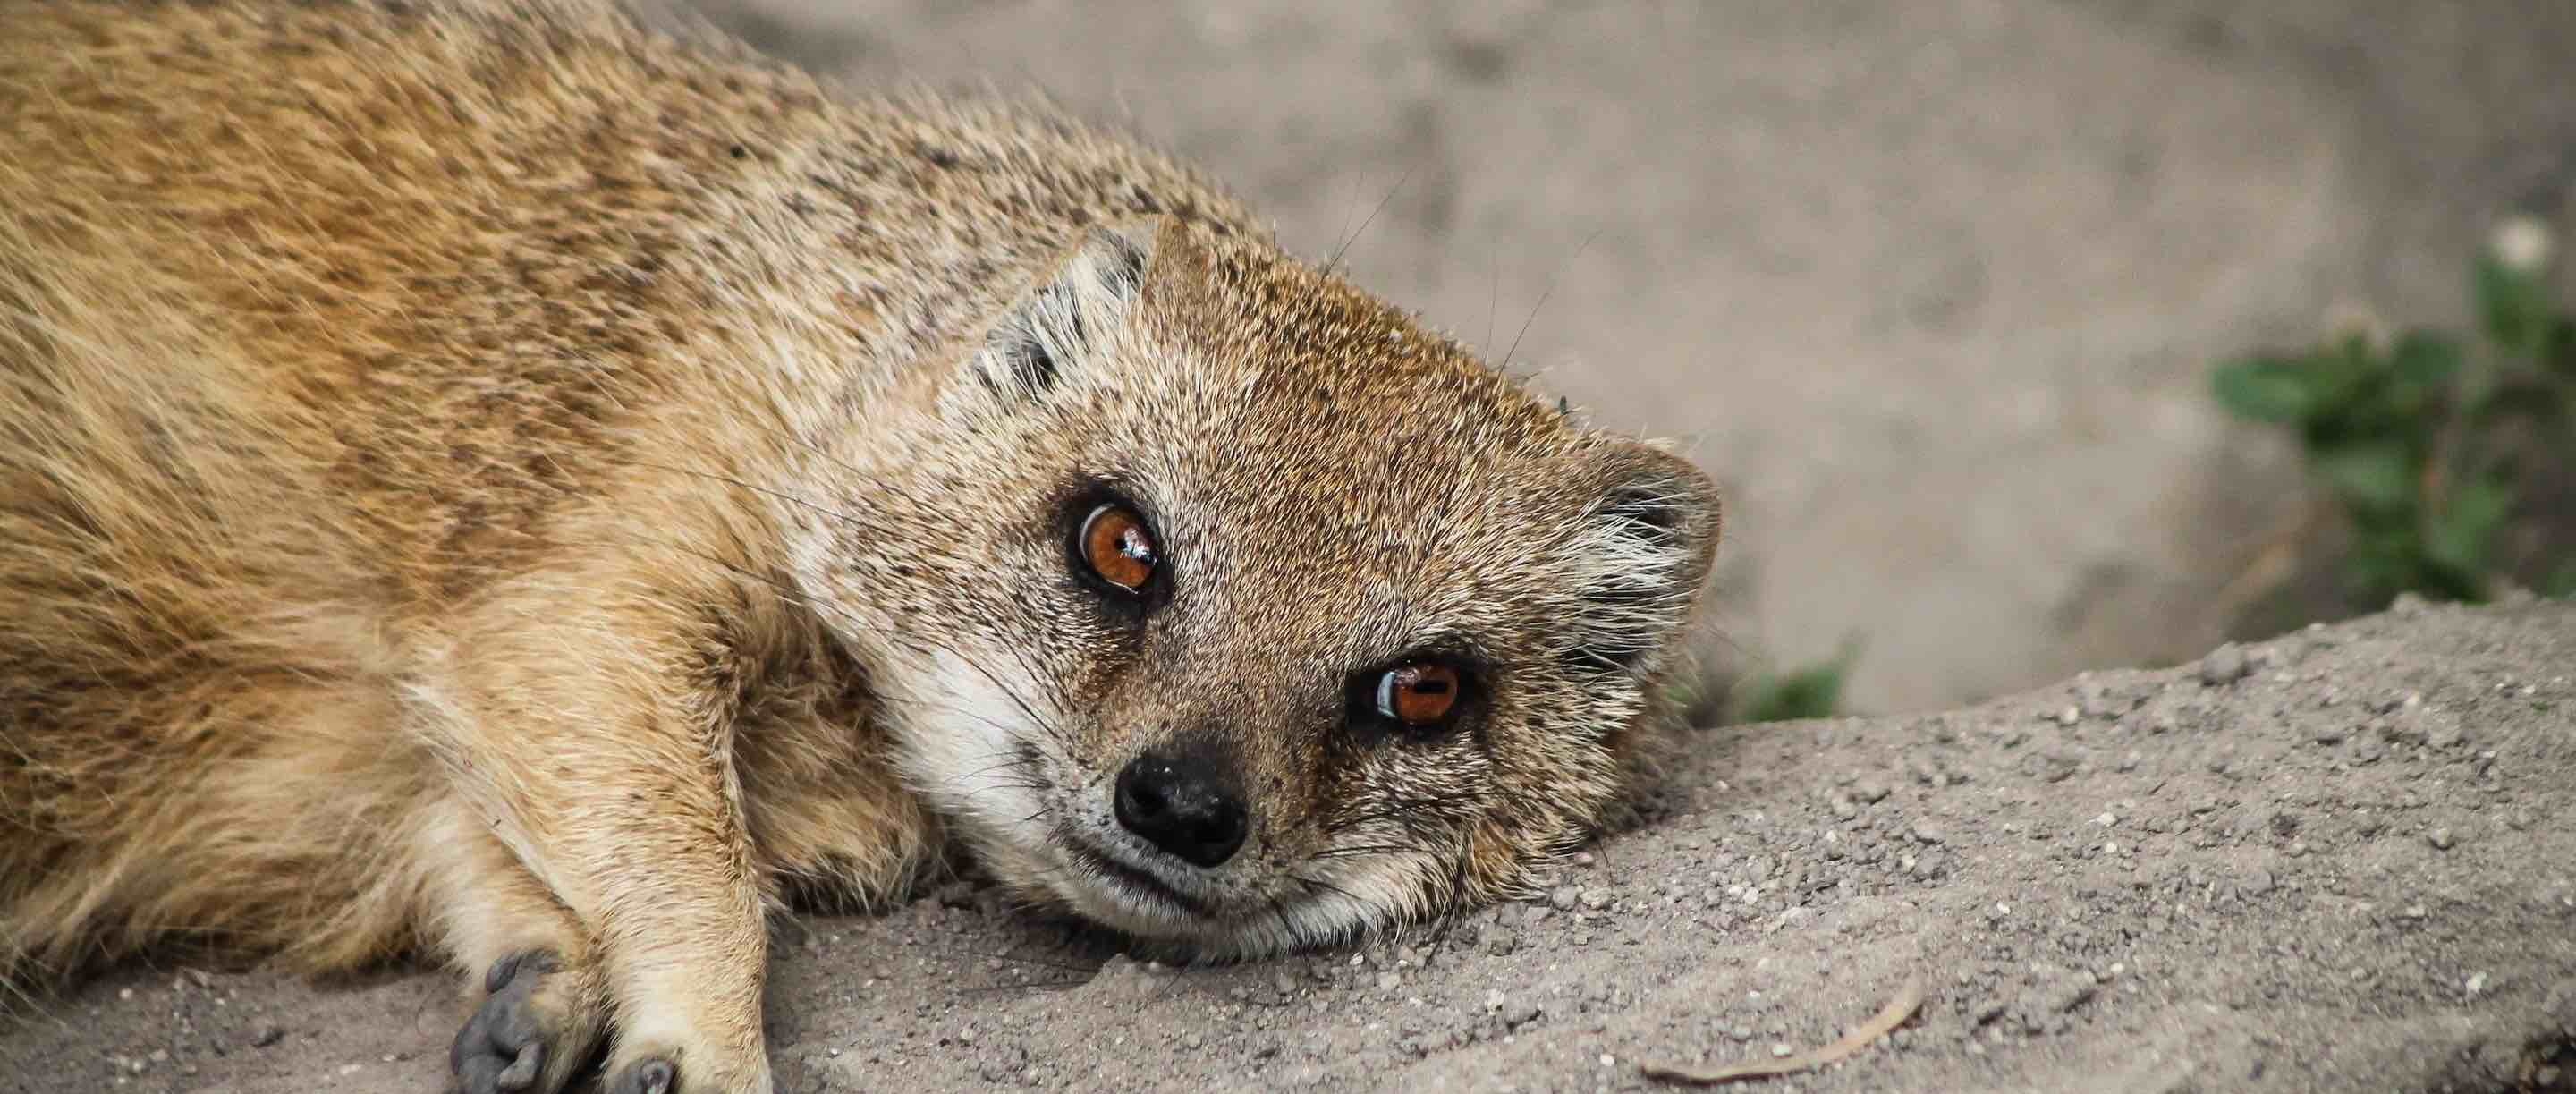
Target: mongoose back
(492,482)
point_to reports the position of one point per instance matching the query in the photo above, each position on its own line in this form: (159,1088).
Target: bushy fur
(486,479)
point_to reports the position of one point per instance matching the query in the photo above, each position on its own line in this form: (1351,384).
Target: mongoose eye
(1118,548)
(1419,696)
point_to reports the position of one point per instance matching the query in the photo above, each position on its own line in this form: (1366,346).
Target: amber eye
(1118,548)
(1419,695)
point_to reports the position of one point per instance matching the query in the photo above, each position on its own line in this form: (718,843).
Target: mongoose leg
(594,759)
(684,944)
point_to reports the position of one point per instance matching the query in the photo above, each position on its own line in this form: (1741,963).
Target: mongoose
(498,482)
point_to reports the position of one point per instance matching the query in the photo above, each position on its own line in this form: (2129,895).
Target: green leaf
(1807,693)
(2345,379)
(2427,358)
(2462,534)
(2369,473)
(2514,305)
(2558,349)
(2535,399)
(2267,389)
(1812,692)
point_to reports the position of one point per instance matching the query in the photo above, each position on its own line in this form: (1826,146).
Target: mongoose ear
(1638,558)
(1064,316)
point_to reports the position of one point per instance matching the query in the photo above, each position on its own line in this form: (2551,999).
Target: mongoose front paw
(654,1076)
(506,1046)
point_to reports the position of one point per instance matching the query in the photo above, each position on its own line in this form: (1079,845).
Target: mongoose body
(490,482)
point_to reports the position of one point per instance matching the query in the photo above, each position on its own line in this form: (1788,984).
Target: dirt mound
(2341,860)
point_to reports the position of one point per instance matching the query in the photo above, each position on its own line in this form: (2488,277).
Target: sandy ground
(2338,861)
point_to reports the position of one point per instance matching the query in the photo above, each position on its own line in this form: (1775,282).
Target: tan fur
(488,479)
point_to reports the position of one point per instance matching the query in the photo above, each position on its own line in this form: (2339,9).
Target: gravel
(2292,920)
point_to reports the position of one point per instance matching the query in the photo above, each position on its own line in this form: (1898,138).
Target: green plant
(2430,445)
(1814,691)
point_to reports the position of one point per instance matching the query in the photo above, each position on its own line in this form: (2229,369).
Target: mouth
(1190,918)
(1071,854)
(1135,882)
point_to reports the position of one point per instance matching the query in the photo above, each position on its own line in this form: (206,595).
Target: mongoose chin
(487,481)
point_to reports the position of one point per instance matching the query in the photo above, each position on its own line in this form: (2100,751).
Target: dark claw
(647,1077)
(522,1072)
(502,1048)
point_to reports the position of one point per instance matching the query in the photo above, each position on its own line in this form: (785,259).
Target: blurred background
(1939,290)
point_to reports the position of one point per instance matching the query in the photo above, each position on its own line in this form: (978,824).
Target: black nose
(1181,806)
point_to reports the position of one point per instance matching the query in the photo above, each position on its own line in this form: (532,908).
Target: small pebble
(2442,838)
(1564,898)
(2225,665)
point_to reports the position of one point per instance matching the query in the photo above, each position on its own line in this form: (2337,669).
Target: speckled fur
(482,479)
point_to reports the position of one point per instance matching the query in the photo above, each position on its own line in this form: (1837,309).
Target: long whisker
(1359,850)
(1318,883)
(1432,808)
(1354,237)
(1542,300)
(1048,688)
(1287,928)
(1044,724)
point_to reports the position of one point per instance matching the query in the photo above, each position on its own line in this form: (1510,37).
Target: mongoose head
(1228,608)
